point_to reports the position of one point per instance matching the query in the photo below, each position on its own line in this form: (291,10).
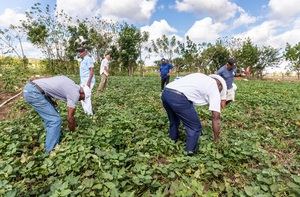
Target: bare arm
(71,119)
(216,124)
(223,104)
(90,77)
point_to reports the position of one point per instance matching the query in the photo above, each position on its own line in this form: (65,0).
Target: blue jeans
(178,108)
(51,118)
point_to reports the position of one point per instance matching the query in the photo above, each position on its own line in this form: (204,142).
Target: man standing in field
(40,93)
(179,98)
(87,77)
(104,72)
(227,72)
(165,72)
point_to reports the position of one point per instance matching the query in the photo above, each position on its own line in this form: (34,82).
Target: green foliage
(247,55)
(13,74)
(124,149)
(129,41)
(292,54)
(215,56)
(268,57)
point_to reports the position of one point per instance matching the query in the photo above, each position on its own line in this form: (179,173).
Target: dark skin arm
(216,125)
(90,77)
(223,104)
(71,119)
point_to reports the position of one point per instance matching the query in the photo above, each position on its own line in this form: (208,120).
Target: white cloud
(244,19)
(284,9)
(131,10)
(80,8)
(31,51)
(205,30)
(272,33)
(217,9)
(280,40)
(261,33)
(158,28)
(10,17)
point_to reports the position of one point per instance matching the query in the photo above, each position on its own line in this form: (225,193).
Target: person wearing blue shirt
(165,72)
(227,72)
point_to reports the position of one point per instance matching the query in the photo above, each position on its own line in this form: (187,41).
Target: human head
(107,56)
(82,52)
(231,63)
(221,85)
(163,60)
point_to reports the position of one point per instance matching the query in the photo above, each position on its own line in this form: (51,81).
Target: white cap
(224,86)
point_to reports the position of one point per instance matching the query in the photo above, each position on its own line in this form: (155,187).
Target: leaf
(65,192)
(296,179)
(110,185)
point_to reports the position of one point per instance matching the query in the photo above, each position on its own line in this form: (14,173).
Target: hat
(224,86)
(163,59)
(81,49)
(87,91)
(231,61)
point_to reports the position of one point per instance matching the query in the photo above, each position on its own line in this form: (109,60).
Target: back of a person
(196,87)
(58,87)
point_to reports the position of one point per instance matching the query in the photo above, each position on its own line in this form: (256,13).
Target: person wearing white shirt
(104,73)
(179,98)
(87,77)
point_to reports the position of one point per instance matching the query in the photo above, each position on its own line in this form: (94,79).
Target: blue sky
(266,22)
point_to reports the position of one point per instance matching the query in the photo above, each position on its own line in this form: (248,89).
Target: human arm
(216,125)
(223,104)
(71,119)
(90,77)
(170,69)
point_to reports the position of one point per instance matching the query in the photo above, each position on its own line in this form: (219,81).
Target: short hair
(231,61)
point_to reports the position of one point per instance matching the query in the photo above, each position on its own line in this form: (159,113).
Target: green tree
(247,55)
(11,42)
(188,51)
(47,30)
(268,57)
(292,54)
(214,56)
(128,42)
(165,46)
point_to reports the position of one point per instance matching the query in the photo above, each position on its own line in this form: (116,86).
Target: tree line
(56,34)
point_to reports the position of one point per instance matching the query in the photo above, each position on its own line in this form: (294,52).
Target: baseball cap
(81,49)
(224,86)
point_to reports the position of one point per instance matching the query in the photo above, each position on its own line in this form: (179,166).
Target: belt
(38,87)
(174,91)
(47,97)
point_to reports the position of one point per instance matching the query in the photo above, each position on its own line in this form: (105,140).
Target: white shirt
(200,89)
(104,64)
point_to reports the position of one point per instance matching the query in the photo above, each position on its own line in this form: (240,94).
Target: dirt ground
(4,110)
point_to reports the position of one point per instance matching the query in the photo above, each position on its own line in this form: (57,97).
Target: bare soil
(5,110)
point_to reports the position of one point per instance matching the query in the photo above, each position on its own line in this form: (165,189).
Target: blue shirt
(85,66)
(165,69)
(227,75)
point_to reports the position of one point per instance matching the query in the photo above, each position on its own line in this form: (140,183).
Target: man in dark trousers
(165,72)
(179,98)
(40,93)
